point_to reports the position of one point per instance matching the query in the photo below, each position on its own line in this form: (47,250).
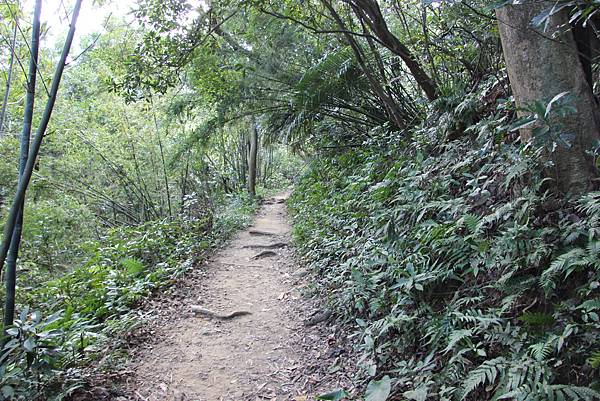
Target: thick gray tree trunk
(542,64)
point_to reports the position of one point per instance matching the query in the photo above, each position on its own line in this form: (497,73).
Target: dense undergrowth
(70,319)
(464,277)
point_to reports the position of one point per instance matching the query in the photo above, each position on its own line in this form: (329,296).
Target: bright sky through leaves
(56,13)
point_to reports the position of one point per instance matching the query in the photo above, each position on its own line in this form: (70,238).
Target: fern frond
(537,319)
(541,351)
(594,360)
(457,336)
(590,205)
(562,265)
(472,223)
(590,305)
(486,373)
(477,318)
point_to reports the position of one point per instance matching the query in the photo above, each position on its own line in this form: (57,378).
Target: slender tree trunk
(252,157)
(184,179)
(368,12)
(390,106)
(541,65)
(8,80)
(149,210)
(163,162)
(13,253)
(13,213)
(427,43)
(242,162)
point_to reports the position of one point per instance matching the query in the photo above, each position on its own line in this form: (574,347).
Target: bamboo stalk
(9,79)
(15,240)
(37,141)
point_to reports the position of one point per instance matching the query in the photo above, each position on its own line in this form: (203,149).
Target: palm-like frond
(331,88)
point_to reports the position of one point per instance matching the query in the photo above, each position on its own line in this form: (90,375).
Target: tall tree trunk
(15,207)
(252,156)
(8,80)
(241,162)
(184,179)
(163,162)
(542,64)
(15,242)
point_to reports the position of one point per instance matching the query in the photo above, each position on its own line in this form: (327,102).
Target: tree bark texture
(541,64)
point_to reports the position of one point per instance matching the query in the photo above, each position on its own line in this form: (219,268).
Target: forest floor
(270,354)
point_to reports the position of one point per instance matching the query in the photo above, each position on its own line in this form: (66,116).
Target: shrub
(464,278)
(82,306)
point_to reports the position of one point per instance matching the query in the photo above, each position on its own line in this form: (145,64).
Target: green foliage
(427,226)
(378,390)
(54,229)
(33,356)
(334,395)
(470,281)
(537,319)
(118,272)
(124,267)
(325,89)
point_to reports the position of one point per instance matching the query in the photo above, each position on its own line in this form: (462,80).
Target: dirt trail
(267,355)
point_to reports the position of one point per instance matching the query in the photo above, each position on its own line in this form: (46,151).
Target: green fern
(537,319)
(590,305)
(486,373)
(133,266)
(472,222)
(546,392)
(589,204)
(564,264)
(594,360)
(542,351)
(457,336)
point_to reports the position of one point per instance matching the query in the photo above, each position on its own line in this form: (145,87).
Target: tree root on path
(198,310)
(264,254)
(273,201)
(269,246)
(261,233)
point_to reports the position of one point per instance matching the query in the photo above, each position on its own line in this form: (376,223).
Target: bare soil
(269,354)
